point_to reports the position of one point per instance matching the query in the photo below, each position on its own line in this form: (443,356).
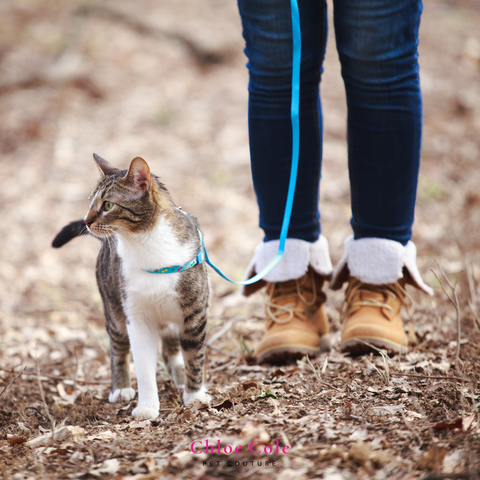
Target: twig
(432,377)
(314,370)
(440,476)
(473,296)
(318,376)
(66,465)
(386,358)
(222,367)
(325,365)
(455,303)
(471,282)
(323,382)
(476,320)
(223,330)
(56,378)
(219,350)
(14,378)
(407,423)
(42,395)
(381,351)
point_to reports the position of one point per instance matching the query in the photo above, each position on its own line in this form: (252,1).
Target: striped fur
(141,228)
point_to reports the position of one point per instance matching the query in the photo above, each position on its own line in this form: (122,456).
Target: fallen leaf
(253,431)
(450,426)
(181,459)
(433,460)
(68,396)
(135,424)
(411,413)
(386,409)
(59,451)
(278,373)
(61,435)
(247,385)
(14,440)
(359,435)
(226,404)
(105,435)
(453,460)
(467,422)
(123,410)
(333,476)
(291,474)
(332,452)
(360,453)
(290,372)
(380,459)
(329,433)
(111,465)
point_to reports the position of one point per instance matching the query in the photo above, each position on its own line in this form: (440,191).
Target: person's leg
(267,30)
(296,322)
(377,44)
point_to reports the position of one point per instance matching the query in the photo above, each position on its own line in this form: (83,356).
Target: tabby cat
(140,228)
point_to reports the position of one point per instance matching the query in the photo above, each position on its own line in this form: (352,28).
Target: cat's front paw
(121,394)
(202,395)
(145,412)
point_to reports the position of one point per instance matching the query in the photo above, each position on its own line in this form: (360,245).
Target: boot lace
(354,299)
(283,290)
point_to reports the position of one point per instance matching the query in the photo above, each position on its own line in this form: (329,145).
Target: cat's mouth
(100,232)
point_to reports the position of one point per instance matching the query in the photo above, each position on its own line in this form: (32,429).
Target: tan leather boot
(296,321)
(372,315)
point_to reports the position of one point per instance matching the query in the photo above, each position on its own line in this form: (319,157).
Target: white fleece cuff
(378,261)
(299,255)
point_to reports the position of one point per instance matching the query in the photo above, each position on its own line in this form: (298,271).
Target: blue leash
(294,115)
(294,111)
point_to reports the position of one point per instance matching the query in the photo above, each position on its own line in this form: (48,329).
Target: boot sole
(356,346)
(289,353)
(286,355)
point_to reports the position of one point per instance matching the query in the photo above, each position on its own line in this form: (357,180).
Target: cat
(141,228)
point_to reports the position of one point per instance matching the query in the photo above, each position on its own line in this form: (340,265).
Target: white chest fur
(152,297)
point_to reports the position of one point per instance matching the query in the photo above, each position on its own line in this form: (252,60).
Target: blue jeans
(377,45)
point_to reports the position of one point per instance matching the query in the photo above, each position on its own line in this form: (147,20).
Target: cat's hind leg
(192,341)
(119,355)
(173,358)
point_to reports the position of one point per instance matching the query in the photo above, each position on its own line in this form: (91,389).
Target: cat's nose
(88,222)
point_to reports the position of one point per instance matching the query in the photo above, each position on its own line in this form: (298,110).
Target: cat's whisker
(124,228)
(109,233)
(108,249)
(89,180)
(83,245)
(127,243)
(124,238)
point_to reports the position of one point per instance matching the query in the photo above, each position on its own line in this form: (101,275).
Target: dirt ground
(167,80)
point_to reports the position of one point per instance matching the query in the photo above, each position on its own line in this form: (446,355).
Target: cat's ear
(105,168)
(138,177)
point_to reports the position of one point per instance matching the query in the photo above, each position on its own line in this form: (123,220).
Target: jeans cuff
(299,255)
(378,261)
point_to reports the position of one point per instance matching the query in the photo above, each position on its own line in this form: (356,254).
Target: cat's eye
(107,206)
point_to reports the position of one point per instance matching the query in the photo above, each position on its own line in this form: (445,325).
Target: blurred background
(166,80)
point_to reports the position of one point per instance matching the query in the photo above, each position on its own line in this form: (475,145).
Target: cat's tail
(68,232)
